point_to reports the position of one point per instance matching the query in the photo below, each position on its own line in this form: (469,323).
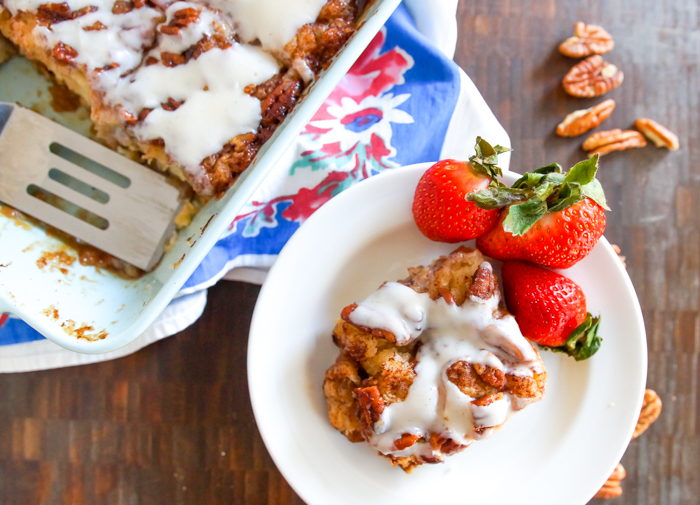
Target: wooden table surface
(172,424)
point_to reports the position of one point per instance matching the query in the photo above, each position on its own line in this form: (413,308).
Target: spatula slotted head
(83,188)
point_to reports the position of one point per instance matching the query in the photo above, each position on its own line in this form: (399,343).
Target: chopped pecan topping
(185,17)
(277,104)
(657,133)
(612,487)
(127,117)
(492,376)
(172,59)
(483,283)
(143,114)
(151,61)
(580,121)
(122,7)
(613,140)
(371,403)
(169,30)
(487,400)
(651,409)
(446,446)
(181,19)
(95,27)
(587,40)
(64,52)
(592,77)
(56,13)
(110,66)
(171,104)
(406,441)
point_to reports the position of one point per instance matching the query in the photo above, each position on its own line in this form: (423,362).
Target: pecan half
(580,121)
(657,133)
(370,402)
(483,283)
(587,40)
(592,77)
(613,140)
(651,408)
(612,487)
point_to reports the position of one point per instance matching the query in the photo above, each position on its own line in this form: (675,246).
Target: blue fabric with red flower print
(392,109)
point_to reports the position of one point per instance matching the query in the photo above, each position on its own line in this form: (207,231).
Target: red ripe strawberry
(550,309)
(557,240)
(550,218)
(440,208)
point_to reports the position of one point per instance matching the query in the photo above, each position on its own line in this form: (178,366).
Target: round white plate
(558,451)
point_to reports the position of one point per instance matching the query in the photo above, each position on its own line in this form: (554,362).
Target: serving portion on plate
(558,450)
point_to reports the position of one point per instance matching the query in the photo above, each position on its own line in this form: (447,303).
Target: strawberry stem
(486,159)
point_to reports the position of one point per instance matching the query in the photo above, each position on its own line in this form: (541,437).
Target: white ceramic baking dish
(90,302)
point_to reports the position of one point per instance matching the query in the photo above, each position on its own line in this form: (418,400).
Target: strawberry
(550,218)
(439,206)
(550,309)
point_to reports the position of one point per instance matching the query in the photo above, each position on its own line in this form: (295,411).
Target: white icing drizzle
(272,22)
(449,334)
(207,119)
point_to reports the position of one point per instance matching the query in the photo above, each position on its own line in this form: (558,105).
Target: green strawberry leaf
(583,172)
(528,180)
(583,342)
(549,169)
(521,217)
(594,191)
(496,197)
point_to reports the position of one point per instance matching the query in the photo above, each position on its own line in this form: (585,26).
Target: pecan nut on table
(587,40)
(592,77)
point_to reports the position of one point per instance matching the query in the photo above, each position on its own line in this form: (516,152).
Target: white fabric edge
(44,354)
(253,261)
(437,20)
(250,275)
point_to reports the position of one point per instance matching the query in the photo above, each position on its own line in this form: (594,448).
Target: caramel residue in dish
(177,263)
(51,312)
(56,260)
(63,99)
(206,225)
(90,256)
(81,332)
(19,218)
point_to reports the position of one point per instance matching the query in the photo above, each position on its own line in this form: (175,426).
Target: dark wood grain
(172,424)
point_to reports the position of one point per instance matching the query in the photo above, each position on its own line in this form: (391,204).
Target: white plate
(558,451)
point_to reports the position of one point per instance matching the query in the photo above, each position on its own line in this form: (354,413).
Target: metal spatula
(83,188)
